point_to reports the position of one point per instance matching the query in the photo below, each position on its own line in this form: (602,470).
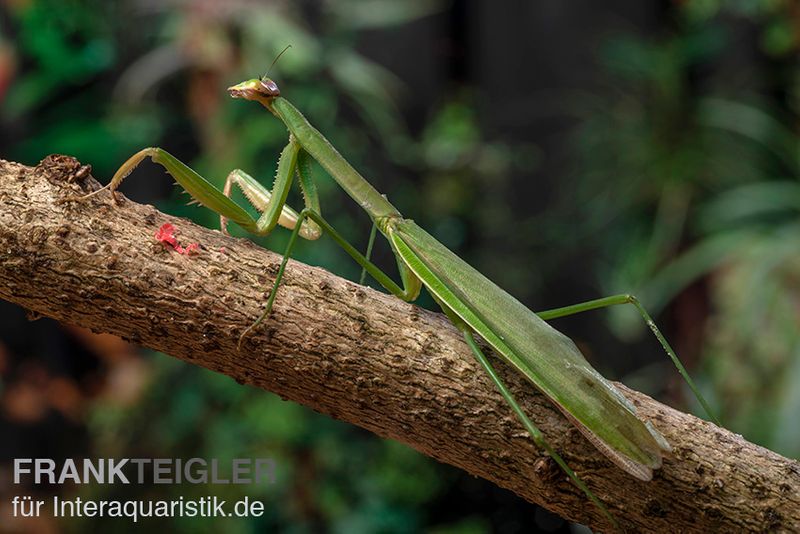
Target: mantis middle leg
(411,285)
(259,196)
(204,193)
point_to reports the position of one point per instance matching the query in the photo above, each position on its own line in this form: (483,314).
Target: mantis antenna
(275,61)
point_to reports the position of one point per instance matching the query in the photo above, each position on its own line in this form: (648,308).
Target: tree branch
(357,355)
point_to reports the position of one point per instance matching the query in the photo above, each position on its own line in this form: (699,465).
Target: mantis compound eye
(269,87)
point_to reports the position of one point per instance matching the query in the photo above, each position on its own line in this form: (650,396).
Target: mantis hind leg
(408,292)
(630,299)
(533,430)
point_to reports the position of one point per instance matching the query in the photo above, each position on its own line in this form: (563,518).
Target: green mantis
(475,305)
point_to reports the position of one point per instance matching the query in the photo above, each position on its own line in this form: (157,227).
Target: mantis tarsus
(474,304)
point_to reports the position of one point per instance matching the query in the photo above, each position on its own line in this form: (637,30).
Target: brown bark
(356,355)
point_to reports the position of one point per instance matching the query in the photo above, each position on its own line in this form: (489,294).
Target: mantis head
(263,90)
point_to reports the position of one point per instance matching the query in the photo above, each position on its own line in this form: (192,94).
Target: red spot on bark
(166,235)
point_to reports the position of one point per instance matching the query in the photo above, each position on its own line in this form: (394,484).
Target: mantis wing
(546,357)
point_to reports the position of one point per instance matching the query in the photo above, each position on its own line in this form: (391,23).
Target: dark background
(568,150)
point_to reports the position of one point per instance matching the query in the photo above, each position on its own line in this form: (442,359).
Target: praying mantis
(474,304)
